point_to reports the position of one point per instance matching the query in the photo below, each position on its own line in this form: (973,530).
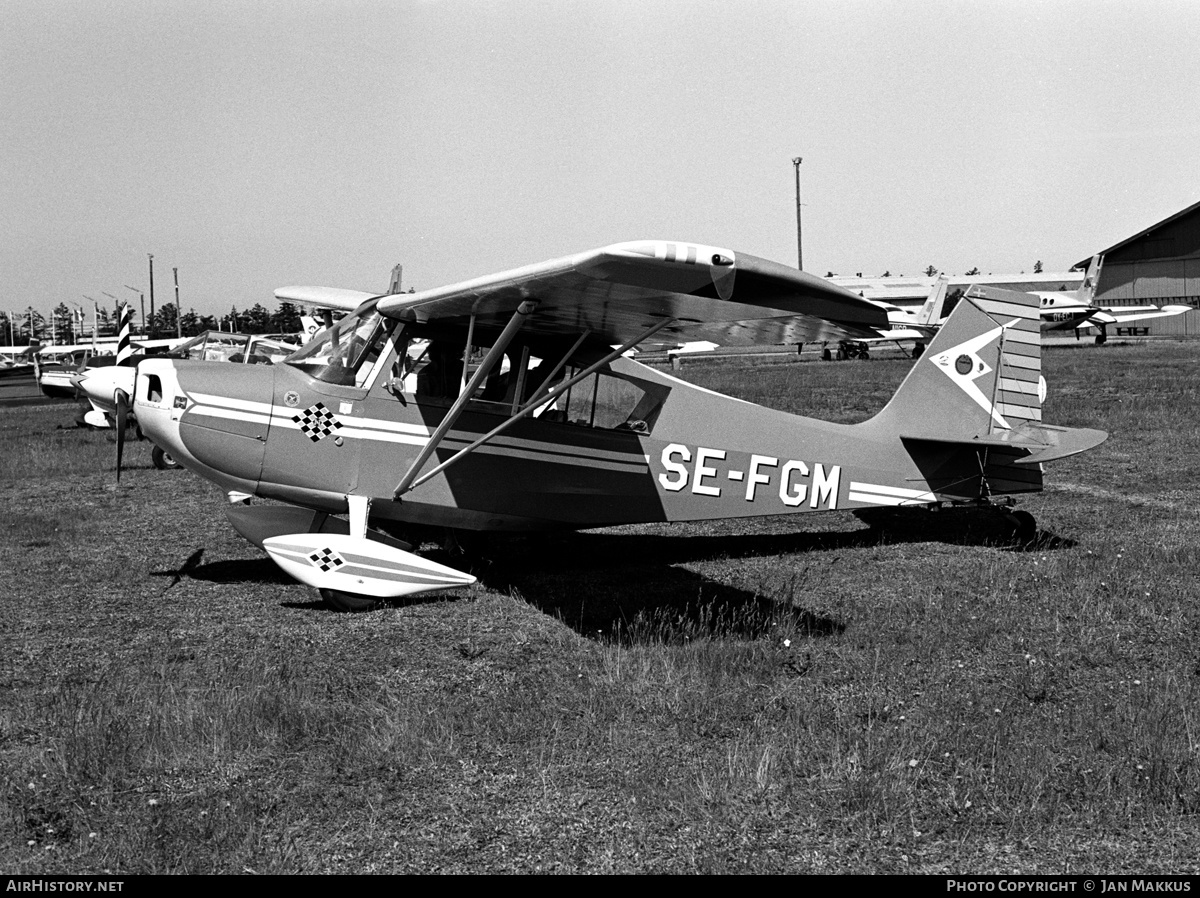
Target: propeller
(122,399)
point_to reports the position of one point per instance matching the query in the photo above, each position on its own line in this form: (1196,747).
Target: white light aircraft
(1076,311)
(904,325)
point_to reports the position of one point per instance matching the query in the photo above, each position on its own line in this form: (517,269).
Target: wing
(707,293)
(1144,313)
(900,333)
(325,297)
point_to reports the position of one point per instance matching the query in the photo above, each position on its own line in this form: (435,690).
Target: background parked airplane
(1077,311)
(904,325)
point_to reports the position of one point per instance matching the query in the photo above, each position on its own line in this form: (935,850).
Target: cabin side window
(433,371)
(609,402)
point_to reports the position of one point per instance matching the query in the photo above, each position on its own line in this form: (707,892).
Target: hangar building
(1158,266)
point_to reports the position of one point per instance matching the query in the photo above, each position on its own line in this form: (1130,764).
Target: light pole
(95,319)
(796,160)
(178,311)
(76,321)
(153,325)
(116,302)
(142,300)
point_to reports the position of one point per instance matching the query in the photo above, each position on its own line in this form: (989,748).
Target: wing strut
(524,310)
(539,399)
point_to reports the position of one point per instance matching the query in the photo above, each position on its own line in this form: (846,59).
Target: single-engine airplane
(904,325)
(573,434)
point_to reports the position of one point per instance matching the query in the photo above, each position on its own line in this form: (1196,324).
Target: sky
(253,144)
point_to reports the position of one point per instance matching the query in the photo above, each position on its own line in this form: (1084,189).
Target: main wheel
(1024,527)
(162,459)
(349,602)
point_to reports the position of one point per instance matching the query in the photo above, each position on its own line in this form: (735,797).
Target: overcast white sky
(260,144)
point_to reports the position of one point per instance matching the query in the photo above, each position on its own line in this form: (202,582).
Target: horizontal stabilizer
(360,566)
(1044,442)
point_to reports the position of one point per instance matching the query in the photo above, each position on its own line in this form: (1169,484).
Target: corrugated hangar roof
(1140,234)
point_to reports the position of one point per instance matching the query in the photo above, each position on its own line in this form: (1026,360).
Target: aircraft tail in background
(933,310)
(1086,293)
(980,384)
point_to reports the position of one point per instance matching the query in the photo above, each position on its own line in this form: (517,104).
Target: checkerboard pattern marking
(327,560)
(317,422)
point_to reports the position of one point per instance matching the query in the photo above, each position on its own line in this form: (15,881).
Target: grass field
(726,697)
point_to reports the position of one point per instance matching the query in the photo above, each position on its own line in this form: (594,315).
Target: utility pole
(153,324)
(799,241)
(178,311)
(95,319)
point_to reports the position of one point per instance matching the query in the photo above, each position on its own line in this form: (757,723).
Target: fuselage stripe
(624,463)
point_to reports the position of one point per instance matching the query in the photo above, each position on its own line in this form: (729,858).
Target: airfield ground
(726,697)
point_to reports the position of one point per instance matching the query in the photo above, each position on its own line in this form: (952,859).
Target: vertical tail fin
(980,376)
(931,312)
(1087,290)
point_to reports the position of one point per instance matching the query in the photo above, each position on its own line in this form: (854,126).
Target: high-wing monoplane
(507,403)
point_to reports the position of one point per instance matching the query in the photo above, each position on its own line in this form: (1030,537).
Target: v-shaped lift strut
(410,481)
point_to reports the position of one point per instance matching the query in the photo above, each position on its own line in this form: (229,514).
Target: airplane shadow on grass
(632,588)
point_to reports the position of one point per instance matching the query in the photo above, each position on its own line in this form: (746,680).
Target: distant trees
(1037,267)
(70,325)
(286,319)
(931,271)
(62,323)
(973,272)
(190,322)
(25,333)
(164,321)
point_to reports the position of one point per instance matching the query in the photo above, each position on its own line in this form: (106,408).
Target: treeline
(67,324)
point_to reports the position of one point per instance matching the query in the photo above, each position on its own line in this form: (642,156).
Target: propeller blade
(122,422)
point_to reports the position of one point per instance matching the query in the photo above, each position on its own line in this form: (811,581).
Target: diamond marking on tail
(963,365)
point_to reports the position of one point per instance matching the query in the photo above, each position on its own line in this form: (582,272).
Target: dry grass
(725,697)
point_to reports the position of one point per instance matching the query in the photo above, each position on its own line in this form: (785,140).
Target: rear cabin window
(433,371)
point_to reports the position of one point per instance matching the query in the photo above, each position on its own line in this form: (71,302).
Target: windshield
(345,353)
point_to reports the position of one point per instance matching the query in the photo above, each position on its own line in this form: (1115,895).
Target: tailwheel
(162,459)
(349,602)
(1024,527)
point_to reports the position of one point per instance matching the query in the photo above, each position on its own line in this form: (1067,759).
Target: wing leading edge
(707,293)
